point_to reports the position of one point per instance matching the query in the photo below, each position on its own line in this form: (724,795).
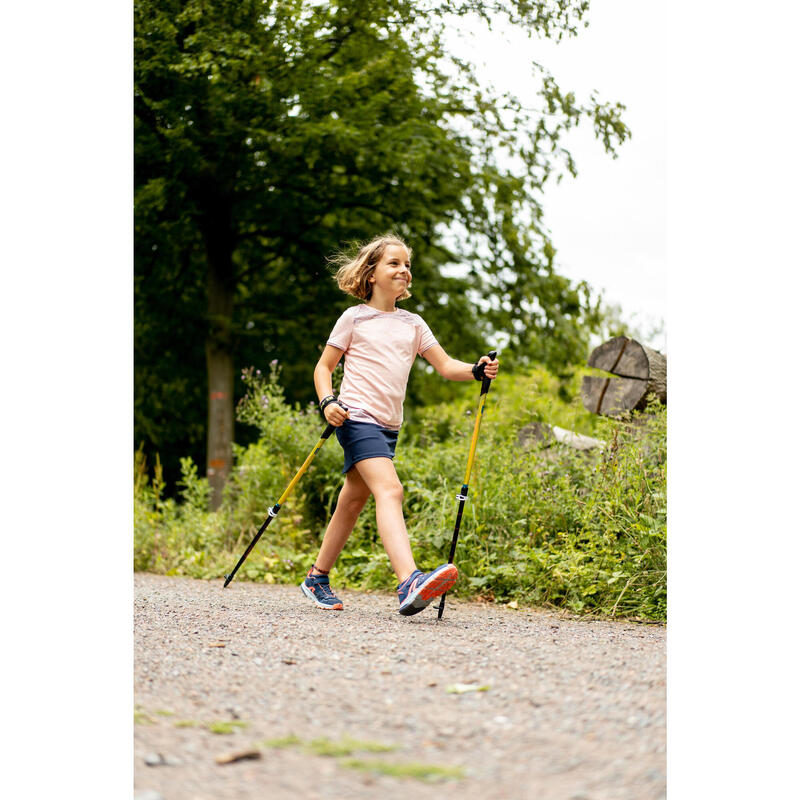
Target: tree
(270,133)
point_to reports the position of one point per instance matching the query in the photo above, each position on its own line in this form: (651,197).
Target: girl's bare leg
(380,477)
(352,497)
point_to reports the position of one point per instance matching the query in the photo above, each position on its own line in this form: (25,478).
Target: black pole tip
(227,580)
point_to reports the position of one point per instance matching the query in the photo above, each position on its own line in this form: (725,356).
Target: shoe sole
(434,587)
(310,595)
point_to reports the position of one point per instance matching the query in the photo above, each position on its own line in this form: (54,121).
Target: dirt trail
(575,709)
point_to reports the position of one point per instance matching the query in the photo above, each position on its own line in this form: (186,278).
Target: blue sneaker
(318,589)
(419,588)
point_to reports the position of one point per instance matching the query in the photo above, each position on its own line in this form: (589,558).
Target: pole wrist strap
(478,370)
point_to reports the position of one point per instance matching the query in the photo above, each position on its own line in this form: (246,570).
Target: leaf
(463,688)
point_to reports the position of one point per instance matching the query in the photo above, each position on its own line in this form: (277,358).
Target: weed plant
(544,524)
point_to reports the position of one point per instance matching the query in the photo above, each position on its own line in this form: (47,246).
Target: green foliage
(269,134)
(545,525)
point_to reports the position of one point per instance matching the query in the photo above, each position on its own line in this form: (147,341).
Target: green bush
(543,525)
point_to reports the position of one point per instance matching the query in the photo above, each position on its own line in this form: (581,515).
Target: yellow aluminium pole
(317,448)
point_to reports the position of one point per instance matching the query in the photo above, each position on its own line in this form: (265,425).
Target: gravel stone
(575,708)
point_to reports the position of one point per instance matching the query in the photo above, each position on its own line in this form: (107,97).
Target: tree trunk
(641,371)
(217,231)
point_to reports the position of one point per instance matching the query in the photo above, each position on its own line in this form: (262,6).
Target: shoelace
(325,591)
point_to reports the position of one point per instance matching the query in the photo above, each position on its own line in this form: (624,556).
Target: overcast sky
(608,224)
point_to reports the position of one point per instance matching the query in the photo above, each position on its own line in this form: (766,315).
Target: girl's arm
(457,370)
(330,357)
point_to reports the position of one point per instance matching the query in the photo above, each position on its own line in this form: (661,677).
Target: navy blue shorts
(361,440)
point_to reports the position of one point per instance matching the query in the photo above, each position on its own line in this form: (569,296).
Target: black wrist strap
(478,370)
(326,401)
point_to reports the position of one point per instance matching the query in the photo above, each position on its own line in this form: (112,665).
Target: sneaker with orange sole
(420,588)
(318,589)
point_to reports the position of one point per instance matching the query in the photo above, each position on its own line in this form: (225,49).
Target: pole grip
(487,382)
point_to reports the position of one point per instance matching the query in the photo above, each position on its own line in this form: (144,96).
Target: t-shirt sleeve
(342,332)
(426,339)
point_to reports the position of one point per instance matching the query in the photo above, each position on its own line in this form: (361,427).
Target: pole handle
(487,382)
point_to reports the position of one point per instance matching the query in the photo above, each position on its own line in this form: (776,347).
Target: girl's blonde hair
(353,274)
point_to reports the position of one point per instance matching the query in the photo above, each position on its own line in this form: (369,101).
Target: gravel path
(575,709)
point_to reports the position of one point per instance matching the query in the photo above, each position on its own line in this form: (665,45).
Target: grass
(224,727)
(346,746)
(417,771)
(285,741)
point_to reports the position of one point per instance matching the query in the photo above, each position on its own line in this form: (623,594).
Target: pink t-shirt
(379,349)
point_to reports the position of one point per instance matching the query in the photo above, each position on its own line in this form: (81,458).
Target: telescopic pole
(273,512)
(462,495)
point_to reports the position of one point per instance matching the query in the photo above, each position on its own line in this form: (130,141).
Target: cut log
(612,396)
(641,370)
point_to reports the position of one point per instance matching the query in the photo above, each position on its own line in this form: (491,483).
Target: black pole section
(273,512)
(462,495)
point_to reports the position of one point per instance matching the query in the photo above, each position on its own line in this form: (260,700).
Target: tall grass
(543,525)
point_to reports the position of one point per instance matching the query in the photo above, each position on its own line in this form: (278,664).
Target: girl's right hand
(335,415)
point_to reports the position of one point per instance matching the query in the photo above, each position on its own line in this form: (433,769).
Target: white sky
(608,224)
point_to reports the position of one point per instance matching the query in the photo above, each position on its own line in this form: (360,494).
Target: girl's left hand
(490,371)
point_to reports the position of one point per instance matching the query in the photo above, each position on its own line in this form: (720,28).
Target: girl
(379,343)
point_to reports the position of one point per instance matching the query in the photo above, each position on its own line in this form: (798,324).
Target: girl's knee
(390,492)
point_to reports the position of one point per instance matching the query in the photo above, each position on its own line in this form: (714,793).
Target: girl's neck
(381,304)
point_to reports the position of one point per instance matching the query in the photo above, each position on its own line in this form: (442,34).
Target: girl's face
(392,275)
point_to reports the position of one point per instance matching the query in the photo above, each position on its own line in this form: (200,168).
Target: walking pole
(462,495)
(273,512)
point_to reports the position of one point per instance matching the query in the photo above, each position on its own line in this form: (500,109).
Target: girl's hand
(490,370)
(335,415)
